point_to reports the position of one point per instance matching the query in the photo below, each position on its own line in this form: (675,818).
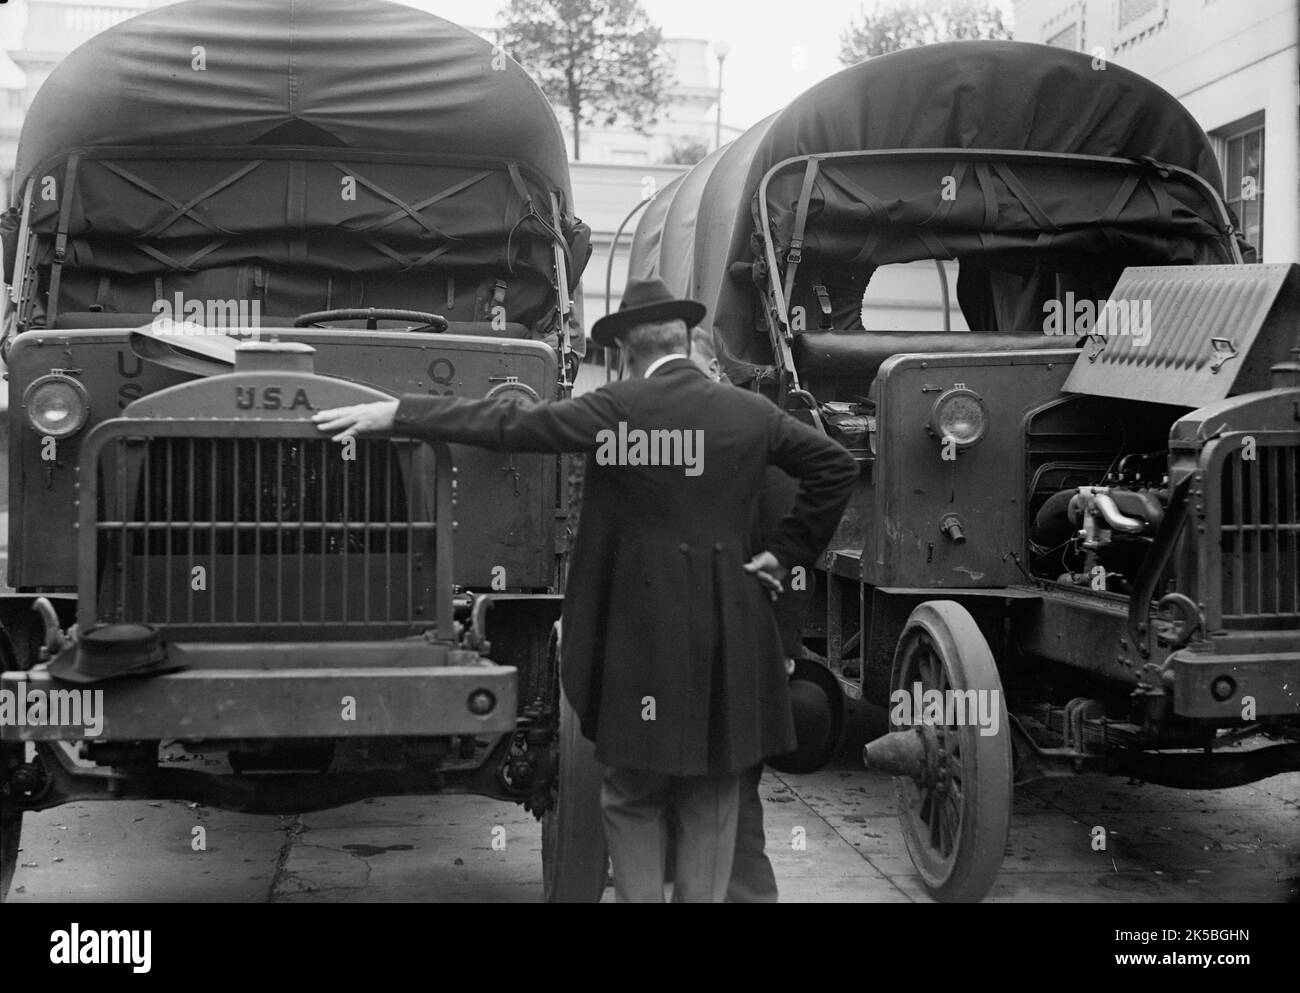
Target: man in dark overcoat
(752,877)
(672,658)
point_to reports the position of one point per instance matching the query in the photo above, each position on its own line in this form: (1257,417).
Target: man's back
(671,542)
(709,446)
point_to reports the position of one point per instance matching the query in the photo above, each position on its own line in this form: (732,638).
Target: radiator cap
(274,356)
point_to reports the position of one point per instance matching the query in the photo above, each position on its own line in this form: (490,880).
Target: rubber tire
(574,856)
(986,761)
(11,833)
(11,821)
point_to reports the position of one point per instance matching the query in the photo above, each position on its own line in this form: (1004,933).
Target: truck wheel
(11,833)
(11,821)
(956,812)
(574,857)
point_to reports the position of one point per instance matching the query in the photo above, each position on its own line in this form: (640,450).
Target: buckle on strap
(823,298)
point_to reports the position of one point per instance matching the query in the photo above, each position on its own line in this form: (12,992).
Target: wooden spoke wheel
(956,811)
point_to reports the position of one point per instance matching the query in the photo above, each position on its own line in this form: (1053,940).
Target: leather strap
(61,238)
(795,255)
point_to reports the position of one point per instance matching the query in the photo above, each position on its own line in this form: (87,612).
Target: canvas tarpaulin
(644,255)
(983,95)
(370,75)
(364,147)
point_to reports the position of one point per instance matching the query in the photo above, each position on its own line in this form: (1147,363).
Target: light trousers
(636,804)
(752,878)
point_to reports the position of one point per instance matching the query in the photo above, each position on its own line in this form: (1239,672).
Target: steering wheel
(372,315)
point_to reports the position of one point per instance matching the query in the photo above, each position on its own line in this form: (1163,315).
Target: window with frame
(1130,10)
(1137,18)
(1241,150)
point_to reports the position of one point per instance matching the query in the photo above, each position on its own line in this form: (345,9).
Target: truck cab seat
(858,355)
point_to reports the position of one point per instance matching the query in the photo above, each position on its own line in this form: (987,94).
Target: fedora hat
(818,706)
(112,651)
(645,301)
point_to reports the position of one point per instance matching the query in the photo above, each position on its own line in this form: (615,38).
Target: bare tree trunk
(575,111)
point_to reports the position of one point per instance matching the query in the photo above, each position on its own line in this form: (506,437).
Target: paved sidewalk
(1163,845)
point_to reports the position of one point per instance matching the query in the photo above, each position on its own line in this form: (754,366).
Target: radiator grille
(271,533)
(1259,541)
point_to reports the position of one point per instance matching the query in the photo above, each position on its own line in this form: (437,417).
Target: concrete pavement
(833,837)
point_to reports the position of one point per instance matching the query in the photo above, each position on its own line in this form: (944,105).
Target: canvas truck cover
(648,236)
(978,96)
(341,151)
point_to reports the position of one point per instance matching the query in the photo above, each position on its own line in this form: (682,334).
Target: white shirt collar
(654,366)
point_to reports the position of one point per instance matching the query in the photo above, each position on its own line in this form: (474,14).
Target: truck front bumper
(292,690)
(1237,678)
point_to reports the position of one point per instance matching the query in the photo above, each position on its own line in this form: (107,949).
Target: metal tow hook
(476,639)
(55,638)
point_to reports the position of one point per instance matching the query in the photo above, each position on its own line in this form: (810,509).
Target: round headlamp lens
(959,415)
(57,406)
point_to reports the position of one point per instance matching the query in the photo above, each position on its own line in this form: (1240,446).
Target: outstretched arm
(502,425)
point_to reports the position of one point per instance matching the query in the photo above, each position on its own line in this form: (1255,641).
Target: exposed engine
(1098,535)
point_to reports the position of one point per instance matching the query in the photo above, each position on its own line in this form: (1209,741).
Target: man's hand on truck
(361,417)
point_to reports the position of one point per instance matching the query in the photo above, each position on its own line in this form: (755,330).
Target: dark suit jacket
(658,604)
(791,607)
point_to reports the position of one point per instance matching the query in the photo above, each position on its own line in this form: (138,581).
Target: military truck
(229,214)
(1077,526)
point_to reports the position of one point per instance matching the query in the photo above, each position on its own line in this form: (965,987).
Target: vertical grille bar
(1289,559)
(236,510)
(146,532)
(324,532)
(192,536)
(1273,520)
(212,528)
(1239,536)
(304,467)
(412,501)
(124,548)
(1256,591)
(169,568)
(257,529)
(388,545)
(281,451)
(367,481)
(346,474)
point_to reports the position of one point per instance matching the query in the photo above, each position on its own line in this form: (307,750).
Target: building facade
(1235,65)
(38,33)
